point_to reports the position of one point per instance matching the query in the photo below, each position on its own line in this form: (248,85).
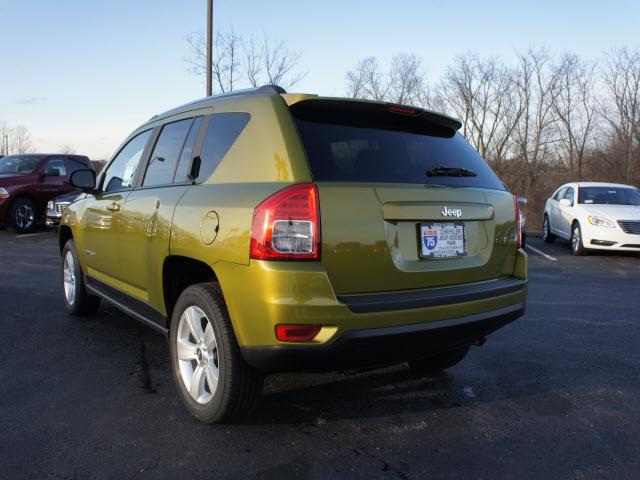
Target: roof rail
(264,89)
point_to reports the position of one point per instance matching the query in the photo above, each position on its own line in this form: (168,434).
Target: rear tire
(577,247)
(547,236)
(439,362)
(76,299)
(22,216)
(215,383)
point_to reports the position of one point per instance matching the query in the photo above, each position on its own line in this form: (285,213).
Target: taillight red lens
(518,223)
(286,226)
(296,333)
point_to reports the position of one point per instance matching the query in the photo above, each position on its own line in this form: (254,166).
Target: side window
(121,171)
(560,193)
(187,152)
(165,154)
(222,132)
(56,163)
(75,164)
(569,194)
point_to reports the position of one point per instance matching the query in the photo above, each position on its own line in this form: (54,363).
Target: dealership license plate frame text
(442,240)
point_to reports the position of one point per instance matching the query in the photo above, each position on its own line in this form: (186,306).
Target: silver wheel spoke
(195,326)
(211,373)
(187,350)
(69,278)
(210,338)
(197,382)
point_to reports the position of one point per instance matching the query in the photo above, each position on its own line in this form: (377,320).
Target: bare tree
(67,149)
(280,63)
(575,108)
(404,82)
(535,134)
(367,81)
(238,61)
(480,92)
(407,80)
(621,109)
(20,140)
(4,138)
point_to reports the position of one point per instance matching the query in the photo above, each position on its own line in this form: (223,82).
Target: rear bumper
(381,346)
(398,325)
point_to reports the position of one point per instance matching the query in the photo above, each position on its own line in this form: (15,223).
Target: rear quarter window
(222,132)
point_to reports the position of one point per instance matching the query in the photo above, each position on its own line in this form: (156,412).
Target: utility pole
(209,45)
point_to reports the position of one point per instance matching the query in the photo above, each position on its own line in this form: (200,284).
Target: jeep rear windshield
(368,142)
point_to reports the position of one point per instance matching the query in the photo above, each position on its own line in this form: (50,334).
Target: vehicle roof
(598,184)
(44,155)
(289,98)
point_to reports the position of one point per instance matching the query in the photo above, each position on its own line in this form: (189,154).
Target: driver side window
(121,172)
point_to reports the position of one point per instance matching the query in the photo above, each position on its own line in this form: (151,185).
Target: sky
(86,73)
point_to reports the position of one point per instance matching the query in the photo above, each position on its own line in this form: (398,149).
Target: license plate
(442,240)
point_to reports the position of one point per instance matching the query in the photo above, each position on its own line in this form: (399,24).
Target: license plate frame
(451,250)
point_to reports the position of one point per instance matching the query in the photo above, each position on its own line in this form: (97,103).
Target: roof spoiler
(375,114)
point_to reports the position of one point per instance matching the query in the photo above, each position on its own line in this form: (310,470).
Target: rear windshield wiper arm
(440,171)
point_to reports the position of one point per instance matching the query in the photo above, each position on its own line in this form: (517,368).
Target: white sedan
(603,216)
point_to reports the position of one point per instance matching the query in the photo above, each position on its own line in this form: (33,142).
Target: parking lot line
(539,252)
(33,234)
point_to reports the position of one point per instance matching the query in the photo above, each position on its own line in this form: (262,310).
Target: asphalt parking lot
(553,395)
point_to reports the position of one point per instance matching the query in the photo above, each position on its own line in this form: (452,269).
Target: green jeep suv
(268,232)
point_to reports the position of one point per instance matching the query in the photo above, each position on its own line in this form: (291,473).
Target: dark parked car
(29,181)
(57,206)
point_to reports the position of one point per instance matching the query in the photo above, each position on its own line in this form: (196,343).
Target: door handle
(114,207)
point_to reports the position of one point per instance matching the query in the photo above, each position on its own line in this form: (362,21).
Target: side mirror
(51,172)
(85,180)
(565,202)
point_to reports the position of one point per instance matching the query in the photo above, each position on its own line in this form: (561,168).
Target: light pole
(209,44)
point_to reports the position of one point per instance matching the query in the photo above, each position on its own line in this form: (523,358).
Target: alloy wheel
(69,278)
(575,239)
(197,352)
(545,228)
(24,216)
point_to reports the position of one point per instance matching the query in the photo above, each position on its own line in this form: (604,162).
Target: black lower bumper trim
(380,346)
(432,297)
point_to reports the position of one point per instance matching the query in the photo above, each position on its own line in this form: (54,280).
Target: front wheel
(76,298)
(437,363)
(22,216)
(214,381)
(547,236)
(577,247)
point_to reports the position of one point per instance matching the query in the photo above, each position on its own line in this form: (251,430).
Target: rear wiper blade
(440,171)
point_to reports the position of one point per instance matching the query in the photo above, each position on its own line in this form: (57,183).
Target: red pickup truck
(29,181)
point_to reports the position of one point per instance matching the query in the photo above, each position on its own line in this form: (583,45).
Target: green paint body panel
(369,233)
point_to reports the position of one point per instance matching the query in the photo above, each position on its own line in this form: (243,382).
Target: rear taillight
(286,226)
(518,223)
